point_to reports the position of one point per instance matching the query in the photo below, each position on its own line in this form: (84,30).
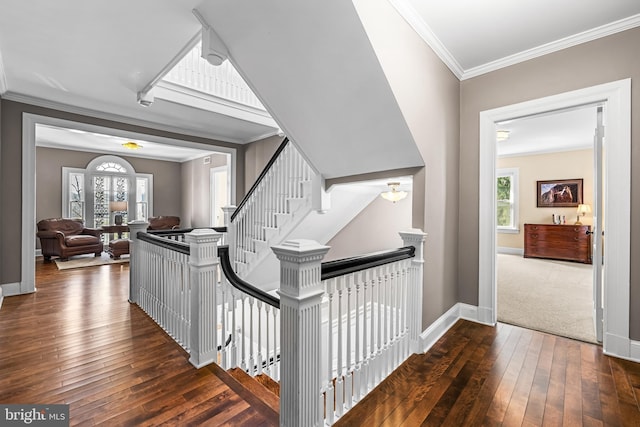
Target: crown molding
(3,78)
(26,99)
(417,23)
(576,39)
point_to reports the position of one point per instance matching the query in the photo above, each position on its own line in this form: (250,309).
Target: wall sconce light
(582,211)
(393,195)
(118,206)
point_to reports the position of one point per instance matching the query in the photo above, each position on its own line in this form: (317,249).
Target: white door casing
(616,96)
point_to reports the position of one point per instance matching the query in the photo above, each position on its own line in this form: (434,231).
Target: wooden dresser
(563,242)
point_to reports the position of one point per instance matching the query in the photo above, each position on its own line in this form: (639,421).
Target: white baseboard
(620,347)
(510,251)
(1,297)
(10,289)
(38,252)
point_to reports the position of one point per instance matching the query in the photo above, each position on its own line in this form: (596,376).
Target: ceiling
(93,57)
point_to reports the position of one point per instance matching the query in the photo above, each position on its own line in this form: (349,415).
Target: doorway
(545,278)
(616,96)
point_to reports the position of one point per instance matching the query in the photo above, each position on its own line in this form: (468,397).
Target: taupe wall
(540,167)
(428,95)
(604,60)
(50,161)
(11,173)
(376,228)
(257,155)
(196,190)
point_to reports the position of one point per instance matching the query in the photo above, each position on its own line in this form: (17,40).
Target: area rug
(546,295)
(89,260)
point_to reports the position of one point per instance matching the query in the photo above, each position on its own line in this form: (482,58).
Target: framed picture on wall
(559,193)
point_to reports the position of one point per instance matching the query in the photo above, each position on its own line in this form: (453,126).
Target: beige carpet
(89,260)
(546,295)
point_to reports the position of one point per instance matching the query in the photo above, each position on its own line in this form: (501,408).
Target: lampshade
(393,195)
(118,206)
(583,209)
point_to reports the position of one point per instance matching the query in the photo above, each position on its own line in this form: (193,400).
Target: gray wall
(49,164)
(196,190)
(257,155)
(11,173)
(429,96)
(604,60)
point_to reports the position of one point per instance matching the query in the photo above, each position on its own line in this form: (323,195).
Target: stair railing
(281,191)
(346,325)
(184,281)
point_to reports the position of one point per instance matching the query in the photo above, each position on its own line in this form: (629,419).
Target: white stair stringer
(346,200)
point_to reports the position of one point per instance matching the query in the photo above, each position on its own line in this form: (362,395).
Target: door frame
(617,191)
(29,122)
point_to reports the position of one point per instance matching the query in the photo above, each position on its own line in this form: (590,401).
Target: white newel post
(135,261)
(203,263)
(231,232)
(301,293)
(416,239)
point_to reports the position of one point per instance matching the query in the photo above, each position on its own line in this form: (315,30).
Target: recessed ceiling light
(132,145)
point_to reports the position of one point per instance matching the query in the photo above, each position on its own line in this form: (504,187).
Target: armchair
(63,237)
(164,222)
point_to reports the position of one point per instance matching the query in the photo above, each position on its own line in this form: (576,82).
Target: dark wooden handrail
(238,283)
(178,231)
(273,159)
(340,267)
(163,242)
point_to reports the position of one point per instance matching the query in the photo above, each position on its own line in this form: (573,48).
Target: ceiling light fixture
(502,135)
(393,195)
(132,145)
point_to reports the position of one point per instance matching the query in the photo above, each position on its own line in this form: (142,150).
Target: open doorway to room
(616,99)
(545,175)
(52,144)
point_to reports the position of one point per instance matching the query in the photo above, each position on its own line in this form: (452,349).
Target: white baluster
(339,366)
(349,370)
(330,287)
(416,239)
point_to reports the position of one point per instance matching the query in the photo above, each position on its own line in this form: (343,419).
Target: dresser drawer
(564,242)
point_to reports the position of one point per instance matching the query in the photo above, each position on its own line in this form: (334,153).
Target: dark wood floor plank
(534,413)
(554,405)
(573,387)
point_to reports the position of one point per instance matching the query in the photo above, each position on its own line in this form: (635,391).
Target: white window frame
(90,172)
(513,173)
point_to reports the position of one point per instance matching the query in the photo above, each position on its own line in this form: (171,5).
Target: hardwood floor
(478,375)
(78,341)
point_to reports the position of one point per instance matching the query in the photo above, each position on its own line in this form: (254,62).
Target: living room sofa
(64,237)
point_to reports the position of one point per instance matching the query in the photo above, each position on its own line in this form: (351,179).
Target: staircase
(263,399)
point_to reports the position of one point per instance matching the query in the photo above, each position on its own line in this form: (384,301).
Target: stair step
(269,383)
(256,387)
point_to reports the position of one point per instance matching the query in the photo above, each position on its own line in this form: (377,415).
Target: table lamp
(118,206)
(582,211)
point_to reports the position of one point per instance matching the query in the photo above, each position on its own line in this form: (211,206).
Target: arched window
(109,186)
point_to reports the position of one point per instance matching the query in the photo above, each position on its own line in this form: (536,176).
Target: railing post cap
(202,234)
(300,246)
(413,232)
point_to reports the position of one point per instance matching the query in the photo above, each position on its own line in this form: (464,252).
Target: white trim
(510,251)
(472,313)
(28,234)
(3,78)
(10,289)
(438,328)
(39,102)
(576,39)
(29,121)
(617,96)
(413,18)
(1,297)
